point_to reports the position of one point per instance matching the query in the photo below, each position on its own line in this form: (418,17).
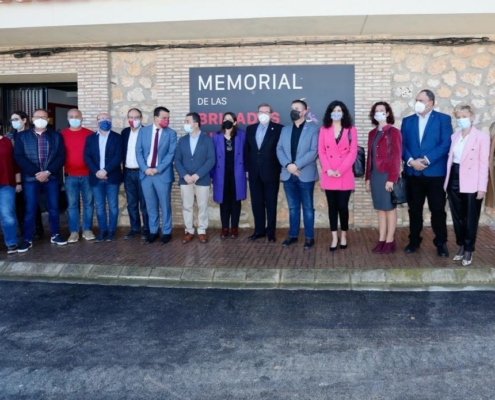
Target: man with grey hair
(77,177)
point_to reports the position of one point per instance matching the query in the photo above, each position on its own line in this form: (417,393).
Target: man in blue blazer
(297,150)
(194,159)
(103,157)
(155,149)
(425,147)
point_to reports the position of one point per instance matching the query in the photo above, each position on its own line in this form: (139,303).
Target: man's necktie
(155,150)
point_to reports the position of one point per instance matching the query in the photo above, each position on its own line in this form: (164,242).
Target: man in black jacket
(263,170)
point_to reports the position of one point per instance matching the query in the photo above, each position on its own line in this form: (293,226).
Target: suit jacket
(166,152)
(387,153)
(337,157)
(263,162)
(113,158)
(435,144)
(473,168)
(307,151)
(200,163)
(218,171)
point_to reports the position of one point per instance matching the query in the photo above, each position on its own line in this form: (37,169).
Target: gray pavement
(113,342)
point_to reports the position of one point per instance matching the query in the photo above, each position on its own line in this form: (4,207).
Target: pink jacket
(473,170)
(337,157)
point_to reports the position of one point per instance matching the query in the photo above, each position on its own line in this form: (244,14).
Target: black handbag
(399,192)
(359,166)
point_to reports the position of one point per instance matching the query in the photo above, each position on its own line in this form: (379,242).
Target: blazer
(337,157)
(490,193)
(200,163)
(435,144)
(113,158)
(166,152)
(307,151)
(473,168)
(263,162)
(218,171)
(27,157)
(387,153)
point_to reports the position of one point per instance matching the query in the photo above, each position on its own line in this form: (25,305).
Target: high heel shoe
(468,258)
(460,254)
(378,247)
(343,246)
(389,247)
(332,249)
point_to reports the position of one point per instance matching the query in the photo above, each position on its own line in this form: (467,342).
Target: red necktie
(155,150)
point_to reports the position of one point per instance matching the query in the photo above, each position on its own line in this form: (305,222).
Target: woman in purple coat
(229,174)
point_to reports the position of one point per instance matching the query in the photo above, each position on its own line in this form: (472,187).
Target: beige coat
(490,194)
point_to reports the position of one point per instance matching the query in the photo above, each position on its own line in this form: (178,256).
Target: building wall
(383,72)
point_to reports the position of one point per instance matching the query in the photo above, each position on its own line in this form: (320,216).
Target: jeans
(31,194)
(135,201)
(300,193)
(75,187)
(104,192)
(8,219)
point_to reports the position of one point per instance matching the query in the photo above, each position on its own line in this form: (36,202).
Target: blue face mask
(105,125)
(74,123)
(16,125)
(463,123)
(336,116)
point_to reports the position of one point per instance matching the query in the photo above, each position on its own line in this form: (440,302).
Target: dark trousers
(465,210)
(420,188)
(135,201)
(264,204)
(230,207)
(338,207)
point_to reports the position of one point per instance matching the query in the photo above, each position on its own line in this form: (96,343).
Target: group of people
(435,161)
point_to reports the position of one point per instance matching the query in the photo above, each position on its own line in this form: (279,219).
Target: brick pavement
(241,253)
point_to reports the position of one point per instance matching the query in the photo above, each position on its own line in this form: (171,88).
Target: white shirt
(193,142)
(102,143)
(130,158)
(459,148)
(150,156)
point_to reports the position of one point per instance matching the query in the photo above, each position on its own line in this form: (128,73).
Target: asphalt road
(62,341)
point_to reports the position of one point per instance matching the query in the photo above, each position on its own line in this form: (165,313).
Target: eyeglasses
(264,112)
(134,118)
(15,119)
(103,119)
(229,144)
(36,117)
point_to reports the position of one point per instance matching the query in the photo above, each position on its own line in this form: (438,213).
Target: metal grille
(27,99)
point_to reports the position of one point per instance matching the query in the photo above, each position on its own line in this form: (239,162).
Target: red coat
(388,157)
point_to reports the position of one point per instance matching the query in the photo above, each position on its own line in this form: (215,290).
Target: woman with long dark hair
(229,174)
(337,150)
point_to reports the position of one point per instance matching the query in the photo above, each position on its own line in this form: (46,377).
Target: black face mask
(295,115)
(227,125)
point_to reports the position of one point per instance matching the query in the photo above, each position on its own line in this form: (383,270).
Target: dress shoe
(290,240)
(151,238)
(309,243)
(203,238)
(333,248)
(255,236)
(378,247)
(411,248)
(272,239)
(224,234)
(131,234)
(468,258)
(145,235)
(460,254)
(187,238)
(166,238)
(234,233)
(442,250)
(389,247)
(343,246)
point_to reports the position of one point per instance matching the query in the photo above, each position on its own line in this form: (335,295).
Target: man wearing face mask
(297,150)
(194,159)
(132,182)
(426,138)
(40,154)
(77,177)
(155,149)
(103,156)
(263,170)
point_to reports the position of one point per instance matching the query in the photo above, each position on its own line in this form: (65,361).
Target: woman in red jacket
(382,171)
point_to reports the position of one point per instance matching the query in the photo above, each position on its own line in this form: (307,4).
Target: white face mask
(380,116)
(40,123)
(188,128)
(263,118)
(419,107)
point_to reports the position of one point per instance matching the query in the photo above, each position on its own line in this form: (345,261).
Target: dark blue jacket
(201,163)
(27,157)
(113,158)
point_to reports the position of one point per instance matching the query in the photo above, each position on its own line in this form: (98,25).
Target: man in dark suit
(194,159)
(103,156)
(425,147)
(132,182)
(263,170)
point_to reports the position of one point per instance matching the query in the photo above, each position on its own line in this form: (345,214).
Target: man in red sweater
(77,177)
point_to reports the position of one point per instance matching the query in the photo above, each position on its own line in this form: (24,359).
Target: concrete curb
(397,279)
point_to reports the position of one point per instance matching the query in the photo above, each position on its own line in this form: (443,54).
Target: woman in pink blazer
(337,150)
(466,180)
